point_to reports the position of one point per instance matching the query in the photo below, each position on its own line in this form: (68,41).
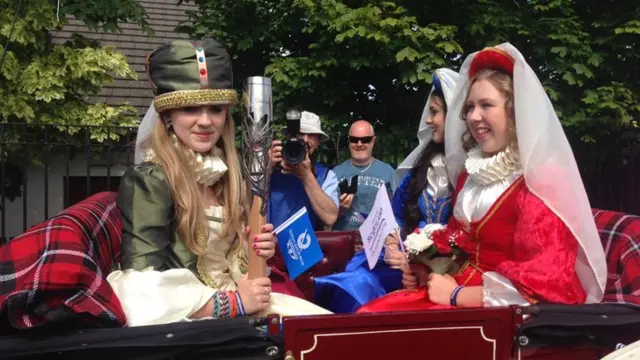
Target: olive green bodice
(149,237)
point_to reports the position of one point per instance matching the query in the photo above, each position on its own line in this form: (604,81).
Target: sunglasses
(364,139)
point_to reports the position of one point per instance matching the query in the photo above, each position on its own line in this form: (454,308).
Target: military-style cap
(185,73)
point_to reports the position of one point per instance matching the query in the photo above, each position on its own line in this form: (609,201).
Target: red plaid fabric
(56,271)
(620,235)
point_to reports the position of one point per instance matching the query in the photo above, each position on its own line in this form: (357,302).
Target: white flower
(421,241)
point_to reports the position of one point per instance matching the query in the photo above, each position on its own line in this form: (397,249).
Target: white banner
(377,226)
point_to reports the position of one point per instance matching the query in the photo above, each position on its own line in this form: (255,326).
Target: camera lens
(294,151)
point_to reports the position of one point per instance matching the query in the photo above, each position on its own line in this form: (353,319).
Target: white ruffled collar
(209,167)
(492,169)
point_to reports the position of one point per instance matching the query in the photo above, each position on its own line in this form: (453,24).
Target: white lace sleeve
(497,290)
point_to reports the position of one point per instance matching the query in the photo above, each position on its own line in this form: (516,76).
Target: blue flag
(299,246)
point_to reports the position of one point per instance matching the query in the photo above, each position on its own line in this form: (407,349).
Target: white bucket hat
(310,124)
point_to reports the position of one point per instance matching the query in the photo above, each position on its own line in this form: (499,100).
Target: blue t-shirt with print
(370,179)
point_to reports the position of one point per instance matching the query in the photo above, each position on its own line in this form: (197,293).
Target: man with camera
(296,180)
(360,177)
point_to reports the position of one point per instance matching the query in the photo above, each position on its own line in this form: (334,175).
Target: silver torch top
(257,115)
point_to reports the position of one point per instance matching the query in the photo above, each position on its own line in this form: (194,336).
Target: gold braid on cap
(187,98)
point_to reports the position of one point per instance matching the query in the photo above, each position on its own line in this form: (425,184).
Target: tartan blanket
(55,273)
(620,235)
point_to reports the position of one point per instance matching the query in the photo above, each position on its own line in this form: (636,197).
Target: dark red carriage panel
(454,334)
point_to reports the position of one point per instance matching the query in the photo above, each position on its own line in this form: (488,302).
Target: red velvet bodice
(523,240)
(487,241)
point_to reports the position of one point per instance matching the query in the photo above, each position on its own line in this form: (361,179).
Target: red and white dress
(519,251)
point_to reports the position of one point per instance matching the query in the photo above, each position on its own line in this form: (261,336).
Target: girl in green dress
(183,205)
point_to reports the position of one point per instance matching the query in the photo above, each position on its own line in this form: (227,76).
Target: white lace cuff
(497,290)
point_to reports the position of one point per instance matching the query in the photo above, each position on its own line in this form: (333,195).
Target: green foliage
(373,59)
(341,61)
(104,15)
(48,83)
(42,83)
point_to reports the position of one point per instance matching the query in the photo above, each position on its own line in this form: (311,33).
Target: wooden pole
(257,264)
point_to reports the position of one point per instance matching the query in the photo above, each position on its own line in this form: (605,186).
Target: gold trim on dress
(243,260)
(206,278)
(185,98)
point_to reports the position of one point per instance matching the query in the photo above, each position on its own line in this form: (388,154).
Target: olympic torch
(257,113)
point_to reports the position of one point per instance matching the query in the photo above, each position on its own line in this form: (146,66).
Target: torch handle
(257,264)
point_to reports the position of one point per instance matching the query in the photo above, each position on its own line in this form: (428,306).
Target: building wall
(35,187)
(164,16)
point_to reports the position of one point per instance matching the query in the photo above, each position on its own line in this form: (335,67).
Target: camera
(294,150)
(347,186)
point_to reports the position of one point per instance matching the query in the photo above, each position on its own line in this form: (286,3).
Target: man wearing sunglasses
(371,175)
(306,184)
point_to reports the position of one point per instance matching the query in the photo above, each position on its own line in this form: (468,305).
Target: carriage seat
(82,243)
(338,248)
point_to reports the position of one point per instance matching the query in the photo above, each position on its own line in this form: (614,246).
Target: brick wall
(164,16)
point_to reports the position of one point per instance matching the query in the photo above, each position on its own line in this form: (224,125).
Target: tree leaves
(42,83)
(407,53)
(39,78)
(374,59)
(104,15)
(573,47)
(631,27)
(341,59)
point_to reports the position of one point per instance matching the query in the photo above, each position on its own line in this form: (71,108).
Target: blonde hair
(504,84)
(191,221)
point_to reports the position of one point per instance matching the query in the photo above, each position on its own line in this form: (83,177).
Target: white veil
(144,133)
(448,79)
(550,169)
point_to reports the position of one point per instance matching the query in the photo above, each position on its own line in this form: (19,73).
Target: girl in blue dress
(424,192)
(345,292)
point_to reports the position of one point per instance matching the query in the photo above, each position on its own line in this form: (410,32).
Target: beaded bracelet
(221,305)
(453,301)
(216,306)
(225,306)
(240,305)
(234,303)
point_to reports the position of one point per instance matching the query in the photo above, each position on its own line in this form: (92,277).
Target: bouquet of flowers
(441,259)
